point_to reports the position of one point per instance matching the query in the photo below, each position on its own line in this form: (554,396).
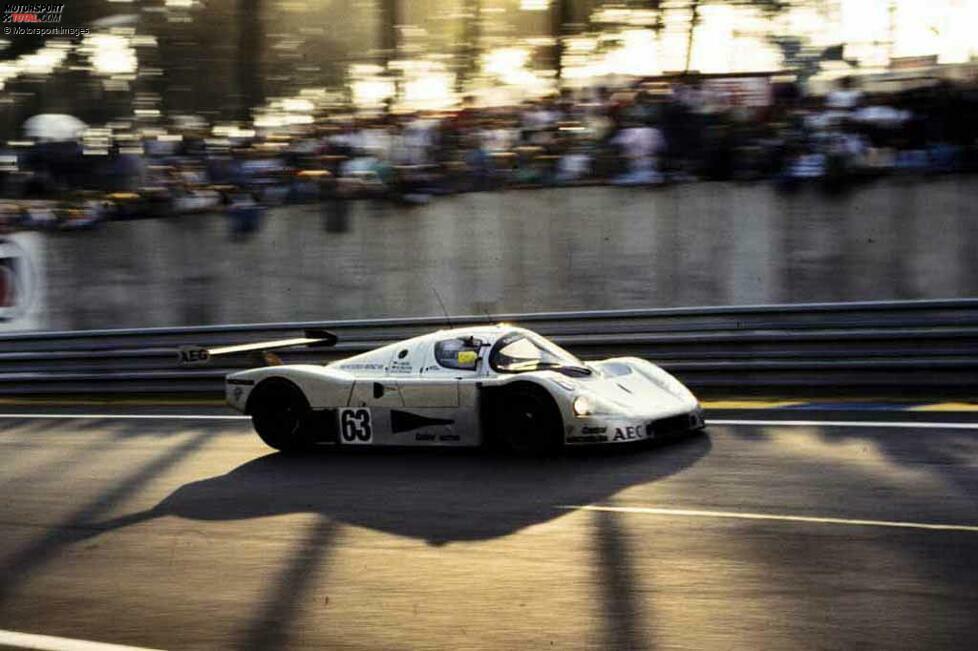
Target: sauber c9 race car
(494,385)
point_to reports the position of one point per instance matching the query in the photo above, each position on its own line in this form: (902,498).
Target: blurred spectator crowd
(642,135)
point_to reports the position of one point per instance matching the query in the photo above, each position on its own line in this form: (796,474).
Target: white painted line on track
(129,416)
(51,643)
(711,421)
(844,423)
(734,515)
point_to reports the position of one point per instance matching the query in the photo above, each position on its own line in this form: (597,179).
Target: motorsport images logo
(44,14)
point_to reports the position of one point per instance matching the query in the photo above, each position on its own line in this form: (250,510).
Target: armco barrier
(889,346)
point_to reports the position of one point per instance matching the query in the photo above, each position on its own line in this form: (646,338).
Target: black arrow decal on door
(404,421)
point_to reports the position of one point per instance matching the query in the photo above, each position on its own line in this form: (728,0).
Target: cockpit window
(518,352)
(457,354)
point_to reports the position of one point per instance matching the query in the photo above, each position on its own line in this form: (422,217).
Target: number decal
(355,426)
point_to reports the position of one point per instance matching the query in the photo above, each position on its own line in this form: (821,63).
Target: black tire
(527,422)
(280,415)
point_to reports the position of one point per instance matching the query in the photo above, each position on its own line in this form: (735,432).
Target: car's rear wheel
(281,415)
(527,422)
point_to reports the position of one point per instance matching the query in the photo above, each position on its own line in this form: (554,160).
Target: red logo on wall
(16,280)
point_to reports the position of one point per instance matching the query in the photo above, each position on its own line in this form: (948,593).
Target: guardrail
(906,347)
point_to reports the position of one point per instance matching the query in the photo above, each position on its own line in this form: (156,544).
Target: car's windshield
(518,352)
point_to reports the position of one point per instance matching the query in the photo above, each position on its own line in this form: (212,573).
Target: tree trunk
(694,19)
(388,30)
(249,65)
(559,15)
(468,48)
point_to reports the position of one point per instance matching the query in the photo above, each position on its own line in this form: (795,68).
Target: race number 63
(355,426)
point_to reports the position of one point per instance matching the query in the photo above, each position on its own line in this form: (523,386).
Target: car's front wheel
(527,422)
(280,415)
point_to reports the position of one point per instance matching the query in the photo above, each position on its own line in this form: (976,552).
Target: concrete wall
(561,249)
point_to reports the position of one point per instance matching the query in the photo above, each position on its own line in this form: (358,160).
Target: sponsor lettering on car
(629,433)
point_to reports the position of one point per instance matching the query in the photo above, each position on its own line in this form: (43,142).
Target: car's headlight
(583,406)
(591,405)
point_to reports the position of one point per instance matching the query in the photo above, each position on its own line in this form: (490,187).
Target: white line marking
(846,423)
(51,643)
(782,518)
(128,416)
(784,423)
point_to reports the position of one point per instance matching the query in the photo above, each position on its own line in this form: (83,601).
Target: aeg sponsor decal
(629,433)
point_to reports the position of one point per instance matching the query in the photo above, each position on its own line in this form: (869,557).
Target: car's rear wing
(191,356)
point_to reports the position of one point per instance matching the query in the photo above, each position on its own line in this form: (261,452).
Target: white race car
(496,385)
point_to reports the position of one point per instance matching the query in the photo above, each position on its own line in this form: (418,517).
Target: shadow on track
(943,454)
(78,526)
(432,495)
(625,627)
(270,626)
(436,497)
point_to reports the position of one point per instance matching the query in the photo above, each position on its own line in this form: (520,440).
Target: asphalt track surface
(189,534)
